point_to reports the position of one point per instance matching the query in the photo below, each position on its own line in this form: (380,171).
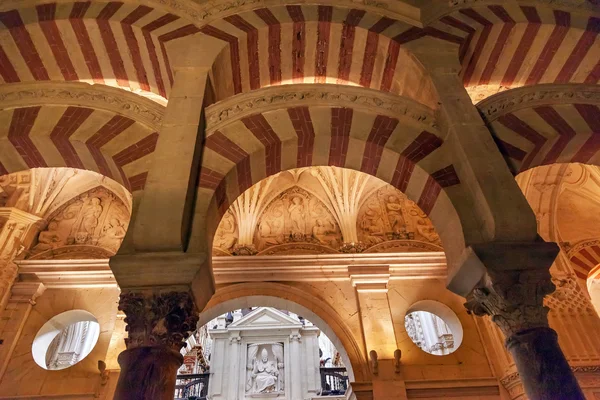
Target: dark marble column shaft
(158,322)
(511,292)
(543,368)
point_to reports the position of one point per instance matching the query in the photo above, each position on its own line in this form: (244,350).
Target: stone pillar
(511,291)
(158,322)
(296,381)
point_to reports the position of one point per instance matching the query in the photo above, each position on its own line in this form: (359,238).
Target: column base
(148,373)
(544,371)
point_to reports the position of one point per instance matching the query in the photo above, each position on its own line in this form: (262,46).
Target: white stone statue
(264,374)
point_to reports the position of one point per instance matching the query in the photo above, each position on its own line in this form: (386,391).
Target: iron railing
(192,387)
(334,381)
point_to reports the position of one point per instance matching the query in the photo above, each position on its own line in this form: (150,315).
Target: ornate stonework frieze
(513,299)
(287,96)
(158,318)
(569,298)
(532,96)
(100,97)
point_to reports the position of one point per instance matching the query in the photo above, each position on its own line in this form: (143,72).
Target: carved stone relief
(265,369)
(296,216)
(389,215)
(96,218)
(14,190)
(325,211)
(227,234)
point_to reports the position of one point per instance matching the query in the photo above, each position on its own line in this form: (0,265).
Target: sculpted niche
(97,219)
(265,369)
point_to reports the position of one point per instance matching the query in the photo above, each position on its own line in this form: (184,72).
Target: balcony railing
(192,387)
(334,381)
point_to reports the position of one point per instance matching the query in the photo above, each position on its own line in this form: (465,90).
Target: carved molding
(531,96)
(585,375)
(158,318)
(99,97)
(286,96)
(569,298)
(513,299)
(577,247)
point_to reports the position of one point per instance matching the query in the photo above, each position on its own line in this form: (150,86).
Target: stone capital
(514,284)
(158,317)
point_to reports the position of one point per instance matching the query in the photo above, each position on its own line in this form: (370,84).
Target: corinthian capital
(158,317)
(515,279)
(513,299)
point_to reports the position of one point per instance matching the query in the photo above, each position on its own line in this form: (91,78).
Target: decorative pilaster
(516,278)
(158,322)
(17,230)
(296,382)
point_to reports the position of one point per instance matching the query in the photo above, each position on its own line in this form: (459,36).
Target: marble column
(513,297)
(158,322)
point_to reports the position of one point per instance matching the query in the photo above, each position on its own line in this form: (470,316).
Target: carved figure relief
(226,235)
(389,215)
(306,213)
(296,216)
(96,218)
(265,369)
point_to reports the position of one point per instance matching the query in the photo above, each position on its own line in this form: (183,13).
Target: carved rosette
(514,299)
(158,319)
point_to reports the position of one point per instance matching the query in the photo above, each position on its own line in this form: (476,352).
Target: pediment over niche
(265,317)
(96,221)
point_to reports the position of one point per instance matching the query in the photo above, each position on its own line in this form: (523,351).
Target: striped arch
(545,124)
(80,134)
(110,43)
(509,46)
(399,150)
(317,44)
(584,257)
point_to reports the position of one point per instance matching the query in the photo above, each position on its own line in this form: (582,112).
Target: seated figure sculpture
(265,374)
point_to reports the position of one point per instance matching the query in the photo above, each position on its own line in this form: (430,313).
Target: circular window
(433,327)
(65,340)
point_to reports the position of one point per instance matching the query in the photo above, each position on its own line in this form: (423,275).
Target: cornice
(204,12)
(98,97)
(326,267)
(69,274)
(537,95)
(308,95)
